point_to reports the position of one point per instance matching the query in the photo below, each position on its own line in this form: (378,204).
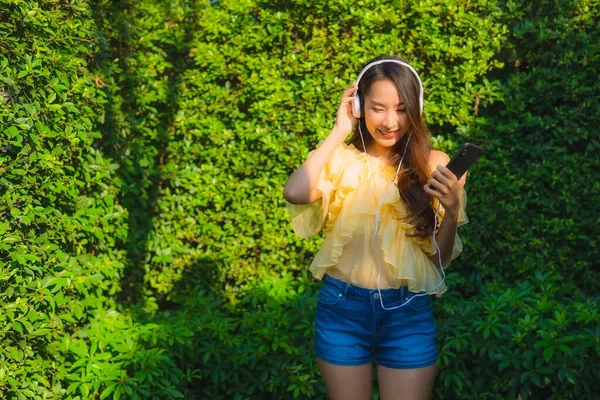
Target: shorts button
(376,296)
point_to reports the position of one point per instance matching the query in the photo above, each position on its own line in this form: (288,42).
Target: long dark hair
(415,167)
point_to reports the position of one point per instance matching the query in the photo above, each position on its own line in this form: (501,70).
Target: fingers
(435,188)
(451,177)
(350,93)
(444,181)
(351,89)
(431,190)
(441,182)
(463,179)
(345,117)
(446,172)
(348,97)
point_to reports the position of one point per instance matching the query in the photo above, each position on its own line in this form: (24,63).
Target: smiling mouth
(388,134)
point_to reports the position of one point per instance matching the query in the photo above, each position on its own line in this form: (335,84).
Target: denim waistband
(350,290)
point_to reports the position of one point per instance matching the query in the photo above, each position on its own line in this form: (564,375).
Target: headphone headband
(355,111)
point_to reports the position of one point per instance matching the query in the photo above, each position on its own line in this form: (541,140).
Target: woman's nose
(390,121)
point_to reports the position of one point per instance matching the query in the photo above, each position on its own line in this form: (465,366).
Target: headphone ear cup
(357,106)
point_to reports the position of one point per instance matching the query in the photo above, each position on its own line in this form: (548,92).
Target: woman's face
(385,115)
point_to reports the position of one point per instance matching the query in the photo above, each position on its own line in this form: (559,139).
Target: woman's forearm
(445,237)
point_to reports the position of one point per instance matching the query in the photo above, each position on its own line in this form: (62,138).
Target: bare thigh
(347,383)
(405,384)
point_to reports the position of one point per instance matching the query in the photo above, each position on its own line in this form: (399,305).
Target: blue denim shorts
(351,327)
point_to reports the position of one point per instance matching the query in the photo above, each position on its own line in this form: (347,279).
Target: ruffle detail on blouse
(353,198)
(347,211)
(405,261)
(401,255)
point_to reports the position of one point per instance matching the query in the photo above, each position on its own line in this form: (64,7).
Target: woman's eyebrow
(383,105)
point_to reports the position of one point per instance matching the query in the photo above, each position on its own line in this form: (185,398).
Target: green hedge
(536,184)
(144,247)
(60,221)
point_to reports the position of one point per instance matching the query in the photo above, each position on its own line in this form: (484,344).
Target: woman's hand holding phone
(447,188)
(446,183)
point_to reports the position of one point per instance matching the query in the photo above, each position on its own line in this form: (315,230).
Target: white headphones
(357,103)
(356,112)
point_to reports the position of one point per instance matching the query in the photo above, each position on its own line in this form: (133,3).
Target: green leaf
(564,349)
(15,353)
(17,326)
(118,391)
(13,382)
(548,352)
(106,392)
(72,387)
(535,378)
(41,332)
(84,389)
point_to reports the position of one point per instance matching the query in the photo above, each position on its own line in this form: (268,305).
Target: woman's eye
(378,110)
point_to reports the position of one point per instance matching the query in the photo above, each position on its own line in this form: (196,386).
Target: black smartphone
(463,159)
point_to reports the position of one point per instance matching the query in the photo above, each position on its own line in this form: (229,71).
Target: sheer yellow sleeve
(309,219)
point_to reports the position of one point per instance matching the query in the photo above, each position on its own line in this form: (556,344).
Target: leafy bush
(537,182)
(60,220)
(144,247)
(525,339)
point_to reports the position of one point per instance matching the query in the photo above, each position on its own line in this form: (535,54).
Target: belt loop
(345,289)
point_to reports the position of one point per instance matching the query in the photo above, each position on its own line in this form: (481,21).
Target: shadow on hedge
(128,135)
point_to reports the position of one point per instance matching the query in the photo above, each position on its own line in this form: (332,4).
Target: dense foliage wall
(60,220)
(144,247)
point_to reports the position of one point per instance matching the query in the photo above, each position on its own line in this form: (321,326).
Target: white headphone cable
(370,177)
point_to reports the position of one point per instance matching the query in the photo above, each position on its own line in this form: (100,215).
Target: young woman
(376,199)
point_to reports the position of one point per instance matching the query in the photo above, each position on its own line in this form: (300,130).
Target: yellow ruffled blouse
(346,213)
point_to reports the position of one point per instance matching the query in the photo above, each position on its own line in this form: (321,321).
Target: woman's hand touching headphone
(345,121)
